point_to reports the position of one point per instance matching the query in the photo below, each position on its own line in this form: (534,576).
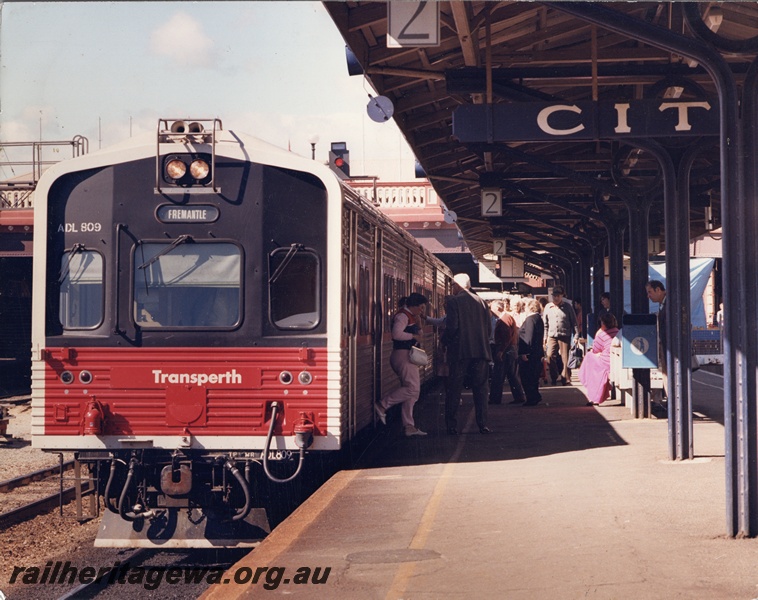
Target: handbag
(576,355)
(417,356)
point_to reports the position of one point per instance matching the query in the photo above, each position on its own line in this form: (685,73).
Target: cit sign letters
(588,120)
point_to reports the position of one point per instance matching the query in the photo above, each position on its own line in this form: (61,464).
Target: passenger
(656,292)
(531,335)
(467,325)
(520,313)
(505,356)
(405,332)
(576,303)
(495,307)
(596,366)
(605,307)
(560,324)
(441,368)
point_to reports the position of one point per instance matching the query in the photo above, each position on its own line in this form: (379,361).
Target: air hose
(107,494)
(274,410)
(132,515)
(229,466)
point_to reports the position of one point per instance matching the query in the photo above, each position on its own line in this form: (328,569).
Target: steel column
(740,495)
(749,414)
(615,231)
(639,211)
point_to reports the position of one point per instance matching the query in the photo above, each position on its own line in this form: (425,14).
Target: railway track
(90,588)
(176,573)
(11,484)
(39,505)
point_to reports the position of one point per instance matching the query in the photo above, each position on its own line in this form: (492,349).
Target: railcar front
(187,328)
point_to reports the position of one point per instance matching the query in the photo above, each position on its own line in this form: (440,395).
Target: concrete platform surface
(562,501)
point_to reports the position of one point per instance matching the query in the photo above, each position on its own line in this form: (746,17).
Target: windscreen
(187,285)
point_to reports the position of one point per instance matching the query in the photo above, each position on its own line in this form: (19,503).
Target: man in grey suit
(467,334)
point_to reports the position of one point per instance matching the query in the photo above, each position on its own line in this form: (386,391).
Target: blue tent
(700,273)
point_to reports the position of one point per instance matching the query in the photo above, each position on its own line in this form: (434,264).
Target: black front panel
(127,266)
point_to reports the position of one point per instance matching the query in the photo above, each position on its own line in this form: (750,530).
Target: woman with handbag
(405,329)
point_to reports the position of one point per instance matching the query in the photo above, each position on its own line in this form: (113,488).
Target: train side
(209,311)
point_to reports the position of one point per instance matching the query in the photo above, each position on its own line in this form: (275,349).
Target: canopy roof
(559,192)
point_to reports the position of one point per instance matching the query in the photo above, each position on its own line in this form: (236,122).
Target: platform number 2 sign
(413,24)
(492,203)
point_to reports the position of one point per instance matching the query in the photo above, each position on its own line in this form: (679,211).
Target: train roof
(228,143)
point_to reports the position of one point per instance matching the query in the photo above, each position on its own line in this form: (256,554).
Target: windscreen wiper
(294,248)
(75,249)
(177,242)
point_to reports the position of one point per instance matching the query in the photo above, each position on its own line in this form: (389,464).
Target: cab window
(81,289)
(294,288)
(187,285)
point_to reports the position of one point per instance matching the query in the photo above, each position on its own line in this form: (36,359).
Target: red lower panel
(169,391)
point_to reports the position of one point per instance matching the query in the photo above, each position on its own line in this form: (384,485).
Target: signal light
(339,159)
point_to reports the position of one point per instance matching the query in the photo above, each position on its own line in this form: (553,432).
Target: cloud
(183,41)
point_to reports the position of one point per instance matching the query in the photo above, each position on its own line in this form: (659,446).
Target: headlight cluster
(67,377)
(187,170)
(304,377)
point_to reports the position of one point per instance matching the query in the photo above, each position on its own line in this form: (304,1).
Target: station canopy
(530,112)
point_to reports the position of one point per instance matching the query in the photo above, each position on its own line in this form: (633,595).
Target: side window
(294,288)
(81,290)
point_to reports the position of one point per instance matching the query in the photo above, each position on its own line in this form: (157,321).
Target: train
(211,317)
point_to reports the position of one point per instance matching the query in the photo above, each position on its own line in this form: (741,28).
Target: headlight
(199,169)
(175,169)
(305,378)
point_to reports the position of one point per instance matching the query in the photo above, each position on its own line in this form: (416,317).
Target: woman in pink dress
(597,364)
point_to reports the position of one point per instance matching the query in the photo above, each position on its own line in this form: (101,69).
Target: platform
(563,501)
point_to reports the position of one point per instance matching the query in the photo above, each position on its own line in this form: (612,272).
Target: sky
(108,70)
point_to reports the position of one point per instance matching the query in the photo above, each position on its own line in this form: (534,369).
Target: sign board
(498,247)
(511,267)
(413,24)
(639,342)
(492,202)
(586,120)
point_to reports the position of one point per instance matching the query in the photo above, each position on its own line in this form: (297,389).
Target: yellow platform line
(418,542)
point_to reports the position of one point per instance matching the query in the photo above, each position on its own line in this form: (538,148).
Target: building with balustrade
(417,208)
